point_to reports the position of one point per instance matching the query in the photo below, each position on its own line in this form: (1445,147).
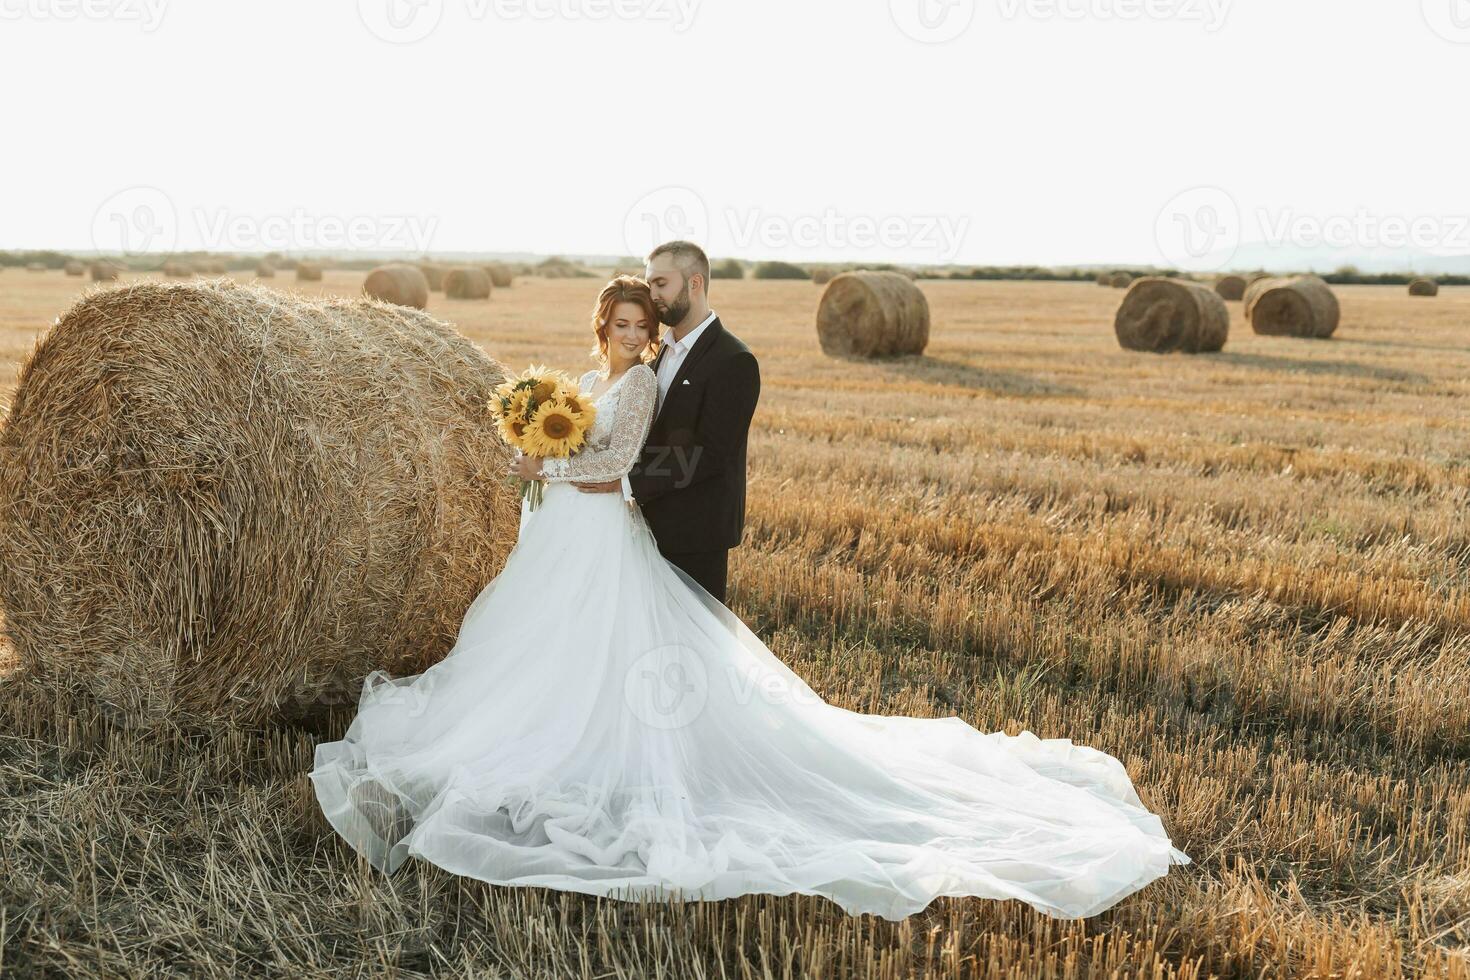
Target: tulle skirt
(604,725)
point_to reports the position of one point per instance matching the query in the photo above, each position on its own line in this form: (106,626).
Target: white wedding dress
(604,725)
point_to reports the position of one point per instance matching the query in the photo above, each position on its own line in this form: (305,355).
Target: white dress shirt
(668,366)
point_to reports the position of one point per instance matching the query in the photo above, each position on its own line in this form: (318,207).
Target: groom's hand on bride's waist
(606,486)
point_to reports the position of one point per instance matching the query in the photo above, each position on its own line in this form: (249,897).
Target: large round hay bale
(177,270)
(75,268)
(434,273)
(1120,280)
(1423,287)
(1163,315)
(220,501)
(398,283)
(308,272)
(1299,306)
(872,314)
(467,282)
(104,271)
(1231,288)
(501,276)
(264,270)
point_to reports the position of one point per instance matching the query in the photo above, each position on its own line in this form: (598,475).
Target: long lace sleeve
(635,407)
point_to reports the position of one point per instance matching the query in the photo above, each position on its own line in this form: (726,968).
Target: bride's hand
(525,467)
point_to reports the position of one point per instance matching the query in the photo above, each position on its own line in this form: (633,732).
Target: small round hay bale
(1423,287)
(1231,288)
(1163,315)
(264,270)
(75,268)
(1120,280)
(105,271)
(1104,279)
(467,282)
(872,314)
(822,275)
(1299,306)
(501,276)
(434,273)
(308,272)
(398,283)
(219,501)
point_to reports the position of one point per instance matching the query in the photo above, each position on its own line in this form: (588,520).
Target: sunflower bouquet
(541,413)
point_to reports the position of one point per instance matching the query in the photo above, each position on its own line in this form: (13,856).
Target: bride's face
(628,335)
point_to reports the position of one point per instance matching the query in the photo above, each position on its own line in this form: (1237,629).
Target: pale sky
(967,131)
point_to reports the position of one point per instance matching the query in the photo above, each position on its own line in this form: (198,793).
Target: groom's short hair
(689,257)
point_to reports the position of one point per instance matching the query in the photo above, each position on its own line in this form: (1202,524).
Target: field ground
(1247,575)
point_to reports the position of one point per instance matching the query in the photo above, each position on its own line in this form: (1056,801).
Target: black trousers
(708,568)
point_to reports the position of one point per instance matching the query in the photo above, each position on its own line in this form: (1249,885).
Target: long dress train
(604,725)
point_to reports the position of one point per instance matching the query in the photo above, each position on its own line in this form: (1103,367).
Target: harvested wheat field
(1246,574)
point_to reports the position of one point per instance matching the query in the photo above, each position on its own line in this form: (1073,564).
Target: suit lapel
(700,348)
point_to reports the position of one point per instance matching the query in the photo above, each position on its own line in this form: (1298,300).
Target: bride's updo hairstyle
(623,289)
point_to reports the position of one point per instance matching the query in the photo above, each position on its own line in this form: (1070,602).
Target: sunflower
(554,431)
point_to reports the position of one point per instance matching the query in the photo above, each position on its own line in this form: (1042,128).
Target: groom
(689,480)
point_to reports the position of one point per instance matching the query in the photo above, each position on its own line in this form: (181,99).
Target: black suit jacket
(689,480)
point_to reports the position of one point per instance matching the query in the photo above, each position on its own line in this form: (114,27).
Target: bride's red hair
(623,289)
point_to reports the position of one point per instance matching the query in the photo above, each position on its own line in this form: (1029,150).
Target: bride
(604,725)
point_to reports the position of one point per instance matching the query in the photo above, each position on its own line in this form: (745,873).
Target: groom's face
(670,290)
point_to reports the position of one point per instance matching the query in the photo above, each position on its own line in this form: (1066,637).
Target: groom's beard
(674,313)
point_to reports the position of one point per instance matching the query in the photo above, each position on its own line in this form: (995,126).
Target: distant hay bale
(872,314)
(178,270)
(501,276)
(398,283)
(434,275)
(221,501)
(1103,279)
(264,270)
(1120,280)
(1231,288)
(75,268)
(105,271)
(308,272)
(1164,315)
(467,282)
(1423,287)
(1299,306)
(822,275)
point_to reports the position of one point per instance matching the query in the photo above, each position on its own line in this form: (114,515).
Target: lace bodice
(624,415)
